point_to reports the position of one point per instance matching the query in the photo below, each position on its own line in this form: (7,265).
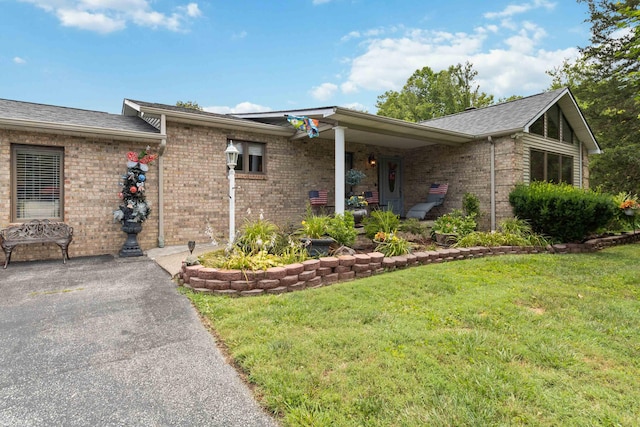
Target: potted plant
(629,206)
(354,177)
(448,228)
(315,234)
(358,207)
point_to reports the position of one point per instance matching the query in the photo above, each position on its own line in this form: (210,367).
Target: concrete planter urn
(318,247)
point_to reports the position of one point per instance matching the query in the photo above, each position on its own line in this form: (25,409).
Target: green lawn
(512,340)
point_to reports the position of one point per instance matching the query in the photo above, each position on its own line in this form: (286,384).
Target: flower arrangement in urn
(356,202)
(134,207)
(629,205)
(354,177)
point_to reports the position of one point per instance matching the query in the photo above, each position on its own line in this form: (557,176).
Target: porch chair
(372,198)
(318,200)
(435,198)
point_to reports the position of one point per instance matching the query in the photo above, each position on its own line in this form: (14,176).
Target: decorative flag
(438,188)
(305,124)
(318,197)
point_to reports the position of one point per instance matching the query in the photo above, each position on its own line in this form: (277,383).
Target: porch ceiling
(366,128)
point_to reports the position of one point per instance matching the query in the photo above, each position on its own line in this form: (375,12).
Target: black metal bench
(36,231)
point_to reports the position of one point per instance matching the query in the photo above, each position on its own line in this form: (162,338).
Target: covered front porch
(400,159)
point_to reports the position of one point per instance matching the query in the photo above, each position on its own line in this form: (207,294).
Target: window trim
(15,150)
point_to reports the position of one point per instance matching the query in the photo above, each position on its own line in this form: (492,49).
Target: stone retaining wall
(315,273)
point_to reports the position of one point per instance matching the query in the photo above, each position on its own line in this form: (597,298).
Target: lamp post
(232,160)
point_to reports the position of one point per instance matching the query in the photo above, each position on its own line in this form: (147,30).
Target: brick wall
(92,176)
(196,185)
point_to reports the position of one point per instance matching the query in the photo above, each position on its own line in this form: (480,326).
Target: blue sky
(245,55)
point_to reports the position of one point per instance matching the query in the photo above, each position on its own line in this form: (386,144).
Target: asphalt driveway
(104,341)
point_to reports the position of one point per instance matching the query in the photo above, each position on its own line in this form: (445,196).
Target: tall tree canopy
(428,94)
(606,84)
(189,104)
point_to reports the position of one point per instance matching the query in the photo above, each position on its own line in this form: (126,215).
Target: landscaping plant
(455,222)
(390,244)
(471,205)
(561,211)
(380,220)
(512,232)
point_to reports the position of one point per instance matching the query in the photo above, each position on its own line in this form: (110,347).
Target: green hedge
(560,211)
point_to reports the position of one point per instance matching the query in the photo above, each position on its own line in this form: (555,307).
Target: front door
(390,181)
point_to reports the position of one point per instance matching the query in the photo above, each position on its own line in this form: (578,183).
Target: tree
(189,104)
(428,94)
(606,83)
(615,40)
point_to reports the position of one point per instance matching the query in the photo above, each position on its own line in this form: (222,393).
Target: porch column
(339,178)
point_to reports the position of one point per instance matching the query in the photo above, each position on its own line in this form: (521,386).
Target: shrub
(471,204)
(455,222)
(561,211)
(341,228)
(380,220)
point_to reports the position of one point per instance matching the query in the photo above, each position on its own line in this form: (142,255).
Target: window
(250,157)
(538,126)
(567,132)
(37,184)
(553,124)
(551,167)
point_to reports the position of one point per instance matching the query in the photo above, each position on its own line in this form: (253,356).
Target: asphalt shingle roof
(183,109)
(72,116)
(506,116)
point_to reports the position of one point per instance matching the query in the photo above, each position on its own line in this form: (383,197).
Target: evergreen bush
(561,211)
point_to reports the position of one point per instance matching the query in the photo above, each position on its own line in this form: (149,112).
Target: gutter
(71,129)
(232,123)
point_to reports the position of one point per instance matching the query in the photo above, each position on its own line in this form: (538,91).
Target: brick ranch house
(66,164)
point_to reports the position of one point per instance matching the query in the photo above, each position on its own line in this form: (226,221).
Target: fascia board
(78,130)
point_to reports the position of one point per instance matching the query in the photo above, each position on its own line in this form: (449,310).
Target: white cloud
(516,9)
(106,16)
(508,61)
(243,107)
(355,106)
(89,21)
(19,61)
(388,62)
(324,92)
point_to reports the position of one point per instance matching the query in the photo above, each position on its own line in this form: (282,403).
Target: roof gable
(499,118)
(517,116)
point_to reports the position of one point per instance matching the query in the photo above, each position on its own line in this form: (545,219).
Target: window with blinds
(36,183)
(251,157)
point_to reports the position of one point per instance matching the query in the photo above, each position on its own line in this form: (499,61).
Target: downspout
(493,182)
(161,149)
(580,175)
(339,163)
